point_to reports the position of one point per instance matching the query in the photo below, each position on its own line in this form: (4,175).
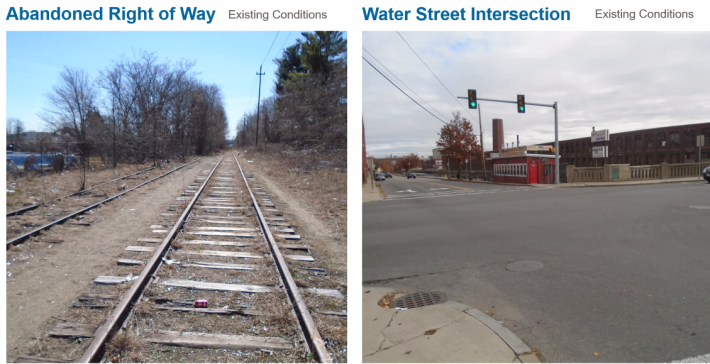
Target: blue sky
(227,59)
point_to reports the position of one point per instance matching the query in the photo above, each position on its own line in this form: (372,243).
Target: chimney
(498,141)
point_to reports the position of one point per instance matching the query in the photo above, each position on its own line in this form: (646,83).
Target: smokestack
(518,138)
(498,139)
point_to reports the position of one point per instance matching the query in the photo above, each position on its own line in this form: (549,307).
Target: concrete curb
(512,340)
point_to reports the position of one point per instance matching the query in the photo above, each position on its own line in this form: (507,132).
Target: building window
(661,140)
(661,158)
(628,143)
(566,148)
(690,138)
(675,140)
(706,132)
(649,158)
(638,143)
(674,157)
(619,144)
(649,141)
(637,159)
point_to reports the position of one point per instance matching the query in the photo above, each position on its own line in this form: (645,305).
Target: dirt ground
(316,198)
(44,279)
(32,188)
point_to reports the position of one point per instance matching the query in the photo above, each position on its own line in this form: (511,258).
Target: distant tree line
(308,110)
(137,110)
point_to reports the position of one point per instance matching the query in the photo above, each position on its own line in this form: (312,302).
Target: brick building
(671,144)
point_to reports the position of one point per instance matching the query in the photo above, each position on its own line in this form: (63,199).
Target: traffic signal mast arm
(557,141)
(509,102)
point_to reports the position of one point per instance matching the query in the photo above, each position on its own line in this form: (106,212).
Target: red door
(533,172)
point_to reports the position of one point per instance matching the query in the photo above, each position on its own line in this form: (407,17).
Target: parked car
(380,177)
(411,175)
(388,175)
(706,174)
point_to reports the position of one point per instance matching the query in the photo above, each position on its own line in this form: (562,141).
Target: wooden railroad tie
(69,330)
(218,341)
(184,283)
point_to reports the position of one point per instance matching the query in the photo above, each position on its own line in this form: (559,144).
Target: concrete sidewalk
(369,194)
(443,333)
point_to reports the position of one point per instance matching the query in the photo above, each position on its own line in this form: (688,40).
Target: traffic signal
(472,101)
(521,104)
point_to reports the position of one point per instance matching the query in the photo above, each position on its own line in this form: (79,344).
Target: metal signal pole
(557,141)
(258,105)
(483,154)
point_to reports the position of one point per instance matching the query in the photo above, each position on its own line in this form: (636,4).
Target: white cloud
(616,80)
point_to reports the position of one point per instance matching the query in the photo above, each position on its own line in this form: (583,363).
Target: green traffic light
(522,108)
(473,104)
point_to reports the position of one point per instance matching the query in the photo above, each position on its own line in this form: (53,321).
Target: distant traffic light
(472,101)
(521,104)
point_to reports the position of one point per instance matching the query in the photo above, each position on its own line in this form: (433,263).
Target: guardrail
(645,172)
(589,174)
(686,169)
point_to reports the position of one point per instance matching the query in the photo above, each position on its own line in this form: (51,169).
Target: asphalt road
(626,275)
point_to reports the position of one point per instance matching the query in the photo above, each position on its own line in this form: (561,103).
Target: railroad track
(32,207)
(208,282)
(40,220)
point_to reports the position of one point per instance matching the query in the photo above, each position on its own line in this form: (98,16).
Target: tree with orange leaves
(409,161)
(457,140)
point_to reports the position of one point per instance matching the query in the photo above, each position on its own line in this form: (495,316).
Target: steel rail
(30,208)
(304,316)
(21,238)
(105,332)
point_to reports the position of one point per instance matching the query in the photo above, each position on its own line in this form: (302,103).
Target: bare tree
(14,130)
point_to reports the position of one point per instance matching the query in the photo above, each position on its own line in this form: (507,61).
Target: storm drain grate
(419,299)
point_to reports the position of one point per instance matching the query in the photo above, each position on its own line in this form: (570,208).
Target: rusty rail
(308,326)
(95,351)
(29,208)
(21,238)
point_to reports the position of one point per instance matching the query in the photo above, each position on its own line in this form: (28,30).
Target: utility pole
(258,105)
(483,154)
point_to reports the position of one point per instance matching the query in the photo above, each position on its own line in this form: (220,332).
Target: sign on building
(538,148)
(600,136)
(600,152)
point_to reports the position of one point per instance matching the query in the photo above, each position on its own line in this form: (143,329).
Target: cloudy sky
(619,81)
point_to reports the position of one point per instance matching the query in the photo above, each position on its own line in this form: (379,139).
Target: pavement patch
(524,266)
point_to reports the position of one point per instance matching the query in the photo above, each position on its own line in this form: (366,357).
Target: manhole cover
(419,299)
(524,266)
(700,207)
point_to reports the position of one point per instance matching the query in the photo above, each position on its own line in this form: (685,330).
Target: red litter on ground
(201,304)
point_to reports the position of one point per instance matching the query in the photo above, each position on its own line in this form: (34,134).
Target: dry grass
(323,188)
(125,348)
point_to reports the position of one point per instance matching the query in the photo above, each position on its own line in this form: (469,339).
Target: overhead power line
(437,78)
(402,91)
(269,51)
(405,85)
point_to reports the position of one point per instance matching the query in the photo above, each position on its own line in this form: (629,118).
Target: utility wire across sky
(402,91)
(405,85)
(437,78)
